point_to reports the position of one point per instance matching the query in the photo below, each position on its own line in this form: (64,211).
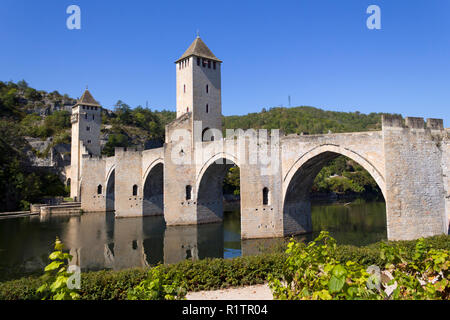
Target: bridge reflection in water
(101,241)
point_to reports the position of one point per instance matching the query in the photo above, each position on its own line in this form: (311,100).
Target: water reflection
(100,241)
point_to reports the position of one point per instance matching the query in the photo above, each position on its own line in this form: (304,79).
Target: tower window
(88,128)
(198,61)
(188,192)
(89,141)
(135,190)
(265,196)
(203,62)
(93,117)
(85,115)
(207,109)
(184,88)
(207,89)
(209,64)
(99,189)
(214,65)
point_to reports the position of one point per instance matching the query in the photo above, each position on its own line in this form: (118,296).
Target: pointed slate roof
(87,100)
(198,48)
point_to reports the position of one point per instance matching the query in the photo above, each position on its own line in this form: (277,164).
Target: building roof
(198,48)
(87,100)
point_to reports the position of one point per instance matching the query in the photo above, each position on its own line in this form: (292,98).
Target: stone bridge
(183,180)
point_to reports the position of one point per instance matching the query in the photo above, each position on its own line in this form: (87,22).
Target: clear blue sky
(318,52)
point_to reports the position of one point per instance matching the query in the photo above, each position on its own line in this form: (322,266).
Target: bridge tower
(86,123)
(199,88)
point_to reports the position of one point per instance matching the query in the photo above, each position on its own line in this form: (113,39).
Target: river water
(99,241)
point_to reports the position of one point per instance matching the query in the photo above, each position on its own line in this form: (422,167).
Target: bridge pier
(128,189)
(416,179)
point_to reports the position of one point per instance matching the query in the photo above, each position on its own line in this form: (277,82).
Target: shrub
(312,272)
(158,286)
(56,277)
(316,271)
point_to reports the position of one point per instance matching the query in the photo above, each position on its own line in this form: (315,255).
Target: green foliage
(312,272)
(32,94)
(320,270)
(56,277)
(57,122)
(231,183)
(305,120)
(425,275)
(22,184)
(343,175)
(115,140)
(158,286)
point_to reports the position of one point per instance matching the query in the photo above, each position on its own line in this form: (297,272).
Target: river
(99,241)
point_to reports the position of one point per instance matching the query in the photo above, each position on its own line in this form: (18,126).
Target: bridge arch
(338,150)
(225,156)
(153,188)
(299,179)
(209,184)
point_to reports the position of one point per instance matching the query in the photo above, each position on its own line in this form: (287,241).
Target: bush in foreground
(313,271)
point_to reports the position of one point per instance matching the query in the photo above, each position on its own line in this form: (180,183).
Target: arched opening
(207,135)
(215,188)
(99,189)
(135,190)
(330,191)
(110,197)
(154,191)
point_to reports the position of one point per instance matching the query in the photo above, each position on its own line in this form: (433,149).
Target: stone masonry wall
(91,199)
(415,197)
(128,173)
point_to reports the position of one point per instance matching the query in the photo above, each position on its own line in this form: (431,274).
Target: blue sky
(318,52)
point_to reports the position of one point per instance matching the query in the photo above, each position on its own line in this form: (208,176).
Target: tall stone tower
(86,123)
(199,86)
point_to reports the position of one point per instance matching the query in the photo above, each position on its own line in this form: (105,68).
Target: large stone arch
(153,188)
(374,171)
(209,193)
(298,180)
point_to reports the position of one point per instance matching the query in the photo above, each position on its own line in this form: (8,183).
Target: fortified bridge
(409,159)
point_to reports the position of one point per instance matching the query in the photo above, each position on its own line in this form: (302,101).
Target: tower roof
(87,100)
(198,48)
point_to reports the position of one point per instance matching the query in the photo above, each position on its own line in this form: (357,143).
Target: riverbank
(203,275)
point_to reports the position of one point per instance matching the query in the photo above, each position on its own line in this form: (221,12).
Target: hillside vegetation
(27,112)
